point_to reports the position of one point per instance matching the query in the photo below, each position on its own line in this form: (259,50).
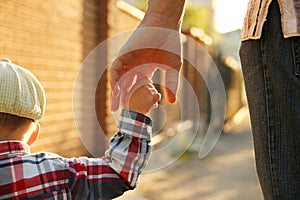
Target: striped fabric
(257,13)
(49,176)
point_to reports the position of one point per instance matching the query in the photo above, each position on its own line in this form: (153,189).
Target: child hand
(142,98)
(147,49)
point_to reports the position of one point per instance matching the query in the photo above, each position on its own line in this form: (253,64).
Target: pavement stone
(227,173)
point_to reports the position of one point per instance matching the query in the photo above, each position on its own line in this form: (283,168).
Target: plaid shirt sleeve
(49,176)
(122,164)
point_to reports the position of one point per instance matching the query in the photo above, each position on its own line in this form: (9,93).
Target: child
(49,176)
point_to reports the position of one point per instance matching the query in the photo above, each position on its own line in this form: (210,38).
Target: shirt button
(149,129)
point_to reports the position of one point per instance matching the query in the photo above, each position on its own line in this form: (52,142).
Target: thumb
(115,99)
(171,85)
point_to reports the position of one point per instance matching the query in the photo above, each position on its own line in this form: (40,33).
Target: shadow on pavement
(227,173)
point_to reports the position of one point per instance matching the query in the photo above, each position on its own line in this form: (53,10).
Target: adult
(270,55)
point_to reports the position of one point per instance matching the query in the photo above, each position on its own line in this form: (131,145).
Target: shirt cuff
(135,124)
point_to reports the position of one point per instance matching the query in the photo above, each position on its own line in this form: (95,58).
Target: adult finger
(127,82)
(116,70)
(115,101)
(171,83)
(115,73)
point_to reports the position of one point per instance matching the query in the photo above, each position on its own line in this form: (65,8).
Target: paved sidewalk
(228,173)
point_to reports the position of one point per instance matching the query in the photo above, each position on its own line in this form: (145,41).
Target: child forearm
(129,149)
(119,170)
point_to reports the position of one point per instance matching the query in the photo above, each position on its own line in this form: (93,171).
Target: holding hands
(146,50)
(141,98)
(154,44)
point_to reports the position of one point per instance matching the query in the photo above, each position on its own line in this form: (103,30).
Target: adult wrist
(160,21)
(165,14)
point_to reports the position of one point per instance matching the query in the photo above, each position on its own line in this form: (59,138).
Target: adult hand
(146,50)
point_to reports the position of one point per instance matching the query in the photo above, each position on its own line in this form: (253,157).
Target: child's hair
(22,101)
(13,122)
(13,127)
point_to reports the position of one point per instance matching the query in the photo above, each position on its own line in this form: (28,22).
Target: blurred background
(53,37)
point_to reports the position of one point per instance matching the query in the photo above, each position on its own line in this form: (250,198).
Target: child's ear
(35,134)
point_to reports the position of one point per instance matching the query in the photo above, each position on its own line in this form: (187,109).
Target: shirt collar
(13,148)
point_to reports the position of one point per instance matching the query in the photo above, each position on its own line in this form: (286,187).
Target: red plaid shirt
(49,176)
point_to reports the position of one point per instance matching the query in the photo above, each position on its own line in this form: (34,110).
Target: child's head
(22,103)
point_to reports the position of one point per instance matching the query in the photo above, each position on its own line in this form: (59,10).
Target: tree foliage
(198,16)
(195,16)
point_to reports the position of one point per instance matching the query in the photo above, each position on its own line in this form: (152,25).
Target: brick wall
(119,21)
(51,38)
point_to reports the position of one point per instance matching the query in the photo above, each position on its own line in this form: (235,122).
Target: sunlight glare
(229,14)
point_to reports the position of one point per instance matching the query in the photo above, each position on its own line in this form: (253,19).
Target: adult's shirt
(257,14)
